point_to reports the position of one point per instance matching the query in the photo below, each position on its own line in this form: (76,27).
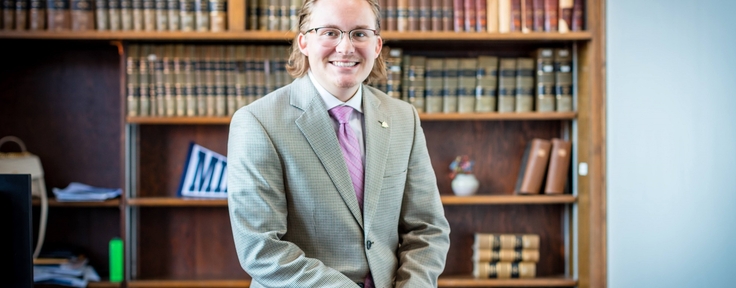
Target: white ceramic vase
(464,184)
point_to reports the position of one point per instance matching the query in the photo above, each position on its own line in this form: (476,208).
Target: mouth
(345,64)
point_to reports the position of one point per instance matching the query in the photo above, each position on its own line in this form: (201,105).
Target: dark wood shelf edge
(91,204)
(176,202)
(467,281)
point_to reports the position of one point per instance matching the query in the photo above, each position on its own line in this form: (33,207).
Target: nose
(345,46)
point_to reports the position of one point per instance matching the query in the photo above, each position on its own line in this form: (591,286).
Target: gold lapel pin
(384,124)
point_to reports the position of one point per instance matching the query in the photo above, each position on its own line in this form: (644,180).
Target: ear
(379,46)
(302,41)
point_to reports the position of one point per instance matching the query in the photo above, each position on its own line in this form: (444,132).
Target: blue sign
(205,174)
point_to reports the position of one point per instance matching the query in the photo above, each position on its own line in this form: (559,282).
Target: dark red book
(550,15)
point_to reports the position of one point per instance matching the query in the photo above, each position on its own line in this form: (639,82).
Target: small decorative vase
(464,184)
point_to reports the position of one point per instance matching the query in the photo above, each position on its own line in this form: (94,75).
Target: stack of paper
(82,192)
(74,273)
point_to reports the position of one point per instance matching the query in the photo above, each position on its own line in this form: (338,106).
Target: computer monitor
(16,250)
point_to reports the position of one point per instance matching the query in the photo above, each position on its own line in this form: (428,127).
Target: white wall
(671,143)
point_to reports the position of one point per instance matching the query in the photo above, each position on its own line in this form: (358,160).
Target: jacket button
(368,244)
(361,285)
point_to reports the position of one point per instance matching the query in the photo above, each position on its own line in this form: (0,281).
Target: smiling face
(340,69)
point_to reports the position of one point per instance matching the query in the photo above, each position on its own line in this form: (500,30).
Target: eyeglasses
(331,37)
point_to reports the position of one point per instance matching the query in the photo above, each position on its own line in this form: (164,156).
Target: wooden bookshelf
(188,283)
(92,204)
(533,282)
(176,202)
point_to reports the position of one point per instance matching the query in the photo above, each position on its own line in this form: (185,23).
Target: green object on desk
(116,260)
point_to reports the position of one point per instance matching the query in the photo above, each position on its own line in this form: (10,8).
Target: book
(21,14)
(168,80)
(83,15)
(393,79)
(527,16)
(450,85)
(137,15)
(480,15)
(392,15)
(149,15)
(413,15)
(37,15)
(504,16)
(447,15)
(238,23)
(492,16)
(179,80)
(577,15)
(538,21)
(415,96)
(241,82)
(524,85)
(218,15)
(162,15)
(212,69)
(564,22)
(58,13)
(402,15)
(515,23)
(458,15)
(201,15)
(545,92)
(559,166)
(486,84)
(466,85)
(533,167)
(563,80)
(469,15)
(144,80)
(295,5)
(425,15)
(499,241)
(506,85)
(433,85)
(190,60)
(200,79)
(231,74)
(504,270)
(186,15)
(253,13)
(101,21)
(9,14)
(550,15)
(172,11)
(132,79)
(272,14)
(283,14)
(259,69)
(113,15)
(204,175)
(436,15)
(126,15)
(505,255)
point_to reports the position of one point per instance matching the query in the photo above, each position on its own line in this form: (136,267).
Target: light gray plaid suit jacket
(293,211)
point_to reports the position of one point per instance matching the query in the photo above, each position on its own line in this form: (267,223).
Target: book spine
(436,15)
(186,15)
(202,15)
(250,74)
(149,15)
(447,15)
(425,15)
(37,15)
(294,6)
(168,81)
(132,80)
(59,16)
(545,92)
(231,74)
(126,15)
(260,71)
(533,167)
(507,85)
(433,85)
(466,85)
(218,15)
(159,105)
(392,15)
(515,24)
(450,85)
(173,11)
(524,85)
(83,15)
(179,80)
(153,59)
(550,15)
(458,11)
(559,166)
(469,16)
(219,70)
(190,60)
(417,82)
(481,17)
(9,13)
(486,86)
(241,77)
(505,255)
(504,270)
(393,81)
(200,70)
(527,16)
(113,14)
(402,15)
(495,241)
(563,80)
(577,15)
(564,23)
(21,14)
(137,15)
(144,81)
(284,15)
(162,15)
(251,22)
(492,16)
(538,21)
(212,67)
(504,16)
(413,15)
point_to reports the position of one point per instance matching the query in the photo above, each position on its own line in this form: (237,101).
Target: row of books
(115,15)
(504,256)
(493,16)
(545,164)
(483,83)
(201,80)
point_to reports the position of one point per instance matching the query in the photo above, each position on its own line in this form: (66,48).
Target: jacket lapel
(377,136)
(316,126)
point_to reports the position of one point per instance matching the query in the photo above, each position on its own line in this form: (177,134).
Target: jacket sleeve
(258,212)
(424,232)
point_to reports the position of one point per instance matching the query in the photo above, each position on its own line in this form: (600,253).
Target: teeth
(344,64)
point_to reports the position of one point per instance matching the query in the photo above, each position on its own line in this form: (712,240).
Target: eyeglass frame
(375,32)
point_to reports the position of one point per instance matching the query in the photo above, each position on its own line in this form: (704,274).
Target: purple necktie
(350,149)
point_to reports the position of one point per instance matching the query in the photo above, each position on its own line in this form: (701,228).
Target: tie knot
(341,113)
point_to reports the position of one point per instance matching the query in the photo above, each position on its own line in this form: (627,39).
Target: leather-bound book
(59,16)
(172,13)
(577,15)
(538,21)
(149,15)
(469,16)
(487,84)
(515,24)
(8,10)
(179,79)
(505,255)
(37,15)
(533,167)
(559,166)
(220,83)
(505,270)
(545,92)
(527,16)
(458,15)
(415,94)
(21,14)
(564,23)
(550,15)
(435,7)
(126,15)
(186,15)
(402,15)
(252,12)
(413,15)
(498,241)
(506,84)
(563,80)
(433,85)
(524,85)
(450,84)
(480,15)
(113,15)
(144,81)
(137,14)
(425,15)
(466,85)
(162,15)
(231,75)
(202,16)
(132,79)
(392,15)
(284,14)
(447,15)
(218,15)
(83,15)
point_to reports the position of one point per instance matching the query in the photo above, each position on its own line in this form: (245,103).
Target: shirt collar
(331,101)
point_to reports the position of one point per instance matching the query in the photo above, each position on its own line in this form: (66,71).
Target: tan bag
(26,163)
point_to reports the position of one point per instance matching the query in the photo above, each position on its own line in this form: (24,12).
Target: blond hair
(298,65)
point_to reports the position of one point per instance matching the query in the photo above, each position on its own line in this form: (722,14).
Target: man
(329,181)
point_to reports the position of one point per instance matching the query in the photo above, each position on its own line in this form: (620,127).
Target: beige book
(294,6)
(241,77)
(524,84)
(231,73)
(250,74)
(466,85)
(260,71)
(162,15)
(126,15)
(496,241)
(179,80)
(433,85)
(172,11)
(132,79)
(545,90)
(113,15)
(253,10)
(186,15)
(168,73)
(486,85)
(506,255)
(83,15)
(159,105)
(218,15)
(416,82)
(402,15)
(563,80)
(272,12)
(450,85)
(101,20)
(58,14)
(144,80)
(218,68)
(149,15)
(190,94)
(504,16)
(201,15)
(393,79)
(37,15)
(200,79)
(263,6)
(137,15)
(283,14)
(492,16)
(504,270)
(506,85)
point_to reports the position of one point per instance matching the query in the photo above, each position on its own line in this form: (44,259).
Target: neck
(343,94)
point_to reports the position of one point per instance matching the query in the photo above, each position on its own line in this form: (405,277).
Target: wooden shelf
(103,284)
(287,36)
(494,116)
(508,199)
(467,281)
(189,283)
(91,204)
(176,202)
